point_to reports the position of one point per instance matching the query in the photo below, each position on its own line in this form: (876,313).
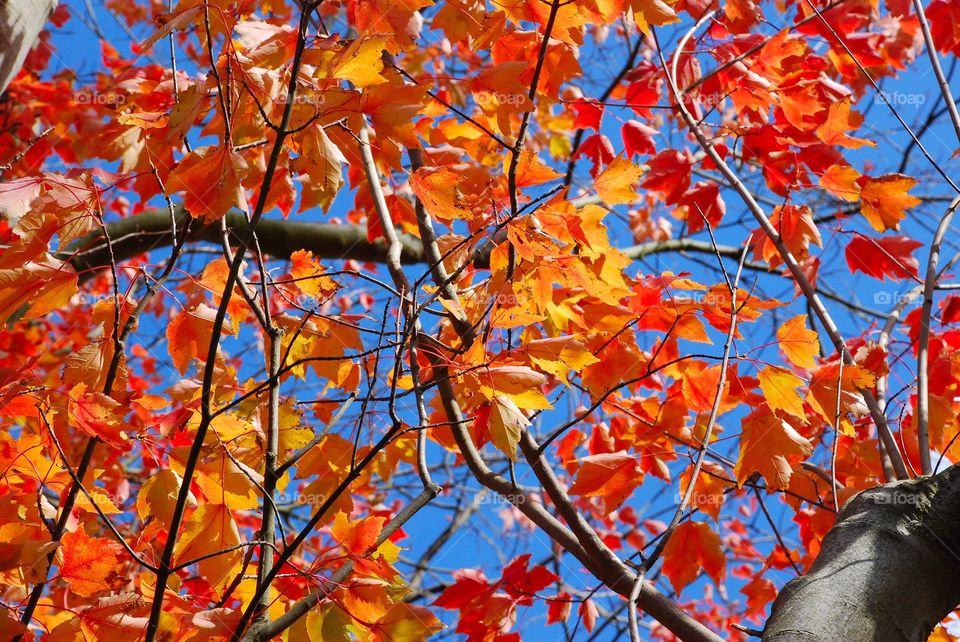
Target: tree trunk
(889,570)
(20,24)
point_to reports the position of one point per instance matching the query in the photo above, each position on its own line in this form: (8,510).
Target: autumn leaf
(97,414)
(842,181)
(90,565)
(361,62)
(210,178)
(653,12)
(888,256)
(36,288)
(692,547)
(408,622)
(438,189)
(321,160)
(158,496)
(823,393)
(884,200)
(616,184)
(211,530)
(308,276)
(841,120)
(798,342)
(638,138)
(771,446)
(359,536)
(504,421)
(610,476)
(189,335)
(779,388)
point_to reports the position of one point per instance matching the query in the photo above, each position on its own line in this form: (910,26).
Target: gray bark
(889,570)
(20,23)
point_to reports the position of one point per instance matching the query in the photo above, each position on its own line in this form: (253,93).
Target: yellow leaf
(798,342)
(780,390)
(211,529)
(362,61)
(506,421)
(615,184)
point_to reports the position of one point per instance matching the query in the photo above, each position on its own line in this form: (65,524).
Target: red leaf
(638,138)
(888,256)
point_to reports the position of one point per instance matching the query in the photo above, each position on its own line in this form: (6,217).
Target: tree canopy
(339,320)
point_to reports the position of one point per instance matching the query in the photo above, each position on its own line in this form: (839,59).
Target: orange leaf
(35,288)
(616,184)
(611,476)
(97,414)
(189,335)
(841,120)
(798,342)
(211,529)
(769,445)
(438,190)
(90,564)
(407,622)
(210,178)
(779,388)
(841,181)
(358,536)
(885,199)
(693,546)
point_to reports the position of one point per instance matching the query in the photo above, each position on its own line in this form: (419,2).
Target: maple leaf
(840,120)
(439,191)
(883,200)
(559,355)
(769,445)
(779,388)
(322,161)
(361,62)
(36,288)
(158,496)
(531,170)
(97,414)
(308,276)
(404,621)
(653,12)
(796,228)
(615,184)
(693,547)
(824,390)
(842,181)
(703,206)
(211,529)
(669,174)
(889,256)
(638,138)
(359,536)
(90,565)
(189,335)
(210,178)
(798,342)
(503,421)
(610,476)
